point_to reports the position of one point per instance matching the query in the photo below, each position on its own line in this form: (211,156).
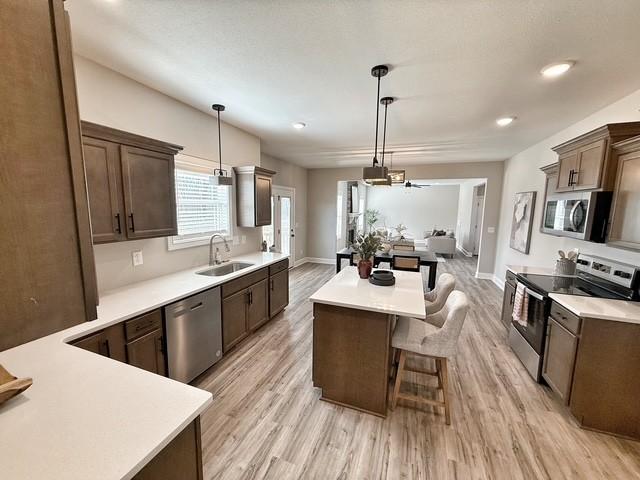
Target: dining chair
(407,263)
(436,298)
(404,248)
(413,336)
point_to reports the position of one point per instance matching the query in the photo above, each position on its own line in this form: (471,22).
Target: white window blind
(202,208)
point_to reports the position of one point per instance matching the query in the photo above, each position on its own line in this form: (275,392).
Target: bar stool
(420,338)
(436,298)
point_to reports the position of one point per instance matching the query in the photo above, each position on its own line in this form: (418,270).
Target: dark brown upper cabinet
(624,228)
(49,281)
(131,184)
(587,163)
(253,189)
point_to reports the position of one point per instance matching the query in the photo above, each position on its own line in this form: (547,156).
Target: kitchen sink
(224,269)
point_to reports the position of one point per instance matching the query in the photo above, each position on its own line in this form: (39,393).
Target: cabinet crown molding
(110,134)
(614,131)
(629,145)
(550,169)
(253,169)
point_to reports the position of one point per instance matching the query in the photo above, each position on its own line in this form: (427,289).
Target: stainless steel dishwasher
(194,334)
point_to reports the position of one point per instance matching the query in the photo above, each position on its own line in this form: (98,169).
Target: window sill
(173,243)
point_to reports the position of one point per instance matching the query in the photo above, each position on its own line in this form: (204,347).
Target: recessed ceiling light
(556,69)
(299,125)
(504,121)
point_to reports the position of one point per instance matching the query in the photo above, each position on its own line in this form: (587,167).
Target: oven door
(535,327)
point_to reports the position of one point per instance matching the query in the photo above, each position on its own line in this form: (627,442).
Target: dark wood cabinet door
(258,311)
(109,342)
(102,164)
(234,319)
(567,166)
(507,304)
(149,193)
(590,161)
(625,228)
(263,200)
(278,292)
(559,359)
(147,352)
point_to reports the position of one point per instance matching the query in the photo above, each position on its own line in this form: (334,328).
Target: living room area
(441,216)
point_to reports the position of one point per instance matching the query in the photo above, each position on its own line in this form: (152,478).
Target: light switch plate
(244,239)
(491,230)
(136,257)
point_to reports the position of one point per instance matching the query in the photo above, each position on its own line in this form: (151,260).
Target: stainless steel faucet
(214,259)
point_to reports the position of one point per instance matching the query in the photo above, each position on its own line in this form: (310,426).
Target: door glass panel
(285,225)
(268,230)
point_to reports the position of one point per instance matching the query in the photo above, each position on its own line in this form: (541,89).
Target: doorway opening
(280,235)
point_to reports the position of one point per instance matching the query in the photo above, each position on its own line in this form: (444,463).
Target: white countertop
(347,289)
(602,308)
(90,417)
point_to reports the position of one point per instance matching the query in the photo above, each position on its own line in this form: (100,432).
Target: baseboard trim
(325,261)
(492,277)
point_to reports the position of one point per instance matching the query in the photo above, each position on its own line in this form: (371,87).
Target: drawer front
(243,282)
(511,278)
(565,318)
(278,267)
(142,325)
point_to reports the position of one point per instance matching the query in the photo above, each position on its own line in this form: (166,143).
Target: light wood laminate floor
(267,421)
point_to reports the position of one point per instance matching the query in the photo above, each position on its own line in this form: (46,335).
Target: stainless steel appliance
(194,334)
(581,215)
(595,277)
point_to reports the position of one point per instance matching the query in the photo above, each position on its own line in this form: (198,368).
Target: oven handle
(535,295)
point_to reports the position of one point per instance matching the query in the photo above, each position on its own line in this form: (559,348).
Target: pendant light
(397,176)
(376,171)
(386,101)
(220,177)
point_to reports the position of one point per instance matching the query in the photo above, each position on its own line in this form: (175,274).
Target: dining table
(427,259)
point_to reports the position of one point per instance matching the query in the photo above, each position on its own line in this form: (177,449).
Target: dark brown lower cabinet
(559,359)
(109,342)
(278,292)
(234,319)
(258,308)
(138,342)
(507,303)
(180,460)
(147,352)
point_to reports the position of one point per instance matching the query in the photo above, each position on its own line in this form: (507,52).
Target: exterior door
(283,205)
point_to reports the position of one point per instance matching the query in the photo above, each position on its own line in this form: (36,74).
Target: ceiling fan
(408,184)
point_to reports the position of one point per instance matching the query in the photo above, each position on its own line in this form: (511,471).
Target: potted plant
(371,217)
(366,247)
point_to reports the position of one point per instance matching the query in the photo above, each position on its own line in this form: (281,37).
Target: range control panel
(617,272)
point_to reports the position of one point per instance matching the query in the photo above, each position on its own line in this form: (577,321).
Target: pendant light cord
(375,154)
(384,133)
(219,145)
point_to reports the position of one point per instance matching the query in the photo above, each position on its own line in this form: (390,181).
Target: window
(202,208)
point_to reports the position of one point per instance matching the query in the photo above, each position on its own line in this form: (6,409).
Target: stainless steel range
(595,277)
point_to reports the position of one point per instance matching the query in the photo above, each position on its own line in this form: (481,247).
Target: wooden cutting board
(11,386)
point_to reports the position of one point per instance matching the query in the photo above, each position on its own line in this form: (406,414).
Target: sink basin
(224,269)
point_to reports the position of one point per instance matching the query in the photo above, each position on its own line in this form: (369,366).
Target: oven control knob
(621,274)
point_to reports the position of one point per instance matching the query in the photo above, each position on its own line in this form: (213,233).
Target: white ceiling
(457,65)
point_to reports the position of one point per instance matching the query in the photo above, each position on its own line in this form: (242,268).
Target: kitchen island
(352,327)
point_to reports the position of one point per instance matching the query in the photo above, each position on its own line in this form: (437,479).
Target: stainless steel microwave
(581,215)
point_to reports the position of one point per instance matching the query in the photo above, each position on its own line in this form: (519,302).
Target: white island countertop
(347,289)
(91,417)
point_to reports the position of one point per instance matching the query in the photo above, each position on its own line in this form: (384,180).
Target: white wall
(464,240)
(111,99)
(294,176)
(419,209)
(522,173)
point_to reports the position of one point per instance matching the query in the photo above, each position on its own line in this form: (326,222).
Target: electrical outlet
(491,230)
(137,258)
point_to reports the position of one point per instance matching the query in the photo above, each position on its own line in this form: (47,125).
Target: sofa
(444,245)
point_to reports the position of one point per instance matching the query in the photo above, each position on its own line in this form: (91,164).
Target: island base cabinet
(351,357)
(606,383)
(180,460)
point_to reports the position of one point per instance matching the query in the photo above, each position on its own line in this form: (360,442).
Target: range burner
(575,285)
